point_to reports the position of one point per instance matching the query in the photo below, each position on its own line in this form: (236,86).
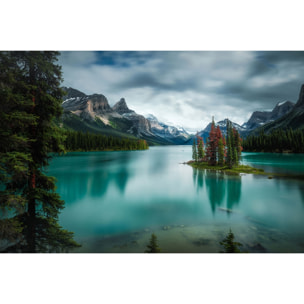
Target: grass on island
(234,170)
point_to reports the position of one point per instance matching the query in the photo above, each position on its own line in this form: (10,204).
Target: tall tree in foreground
(38,90)
(15,117)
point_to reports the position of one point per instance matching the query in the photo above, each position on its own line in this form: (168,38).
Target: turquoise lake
(116,200)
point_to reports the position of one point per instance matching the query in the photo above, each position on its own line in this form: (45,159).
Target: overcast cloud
(188,88)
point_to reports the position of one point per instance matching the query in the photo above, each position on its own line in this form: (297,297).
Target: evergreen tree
(234,148)
(200,148)
(221,152)
(277,141)
(212,145)
(220,146)
(194,151)
(153,246)
(14,155)
(229,245)
(37,90)
(229,157)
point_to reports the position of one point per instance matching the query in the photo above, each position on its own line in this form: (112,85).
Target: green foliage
(229,245)
(234,147)
(221,153)
(277,141)
(200,148)
(30,97)
(79,141)
(194,151)
(153,246)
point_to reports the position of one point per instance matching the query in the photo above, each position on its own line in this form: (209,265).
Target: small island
(221,153)
(225,169)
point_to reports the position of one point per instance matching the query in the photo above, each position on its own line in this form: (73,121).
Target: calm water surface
(115,200)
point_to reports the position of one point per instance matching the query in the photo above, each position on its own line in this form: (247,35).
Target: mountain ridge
(93,113)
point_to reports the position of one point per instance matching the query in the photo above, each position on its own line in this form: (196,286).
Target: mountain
(140,125)
(176,135)
(223,126)
(260,118)
(92,113)
(121,107)
(294,119)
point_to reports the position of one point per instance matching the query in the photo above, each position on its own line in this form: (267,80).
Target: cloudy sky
(188,88)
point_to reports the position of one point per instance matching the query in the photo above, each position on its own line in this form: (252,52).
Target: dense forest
(277,141)
(79,141)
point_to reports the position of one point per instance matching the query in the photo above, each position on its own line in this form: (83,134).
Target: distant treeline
(79,141)
(277,141)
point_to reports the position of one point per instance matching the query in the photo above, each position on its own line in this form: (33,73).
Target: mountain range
(268,120)
(293,119)
(92,113)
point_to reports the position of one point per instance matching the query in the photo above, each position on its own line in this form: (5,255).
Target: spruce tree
(200,148)
(153,246)
(230,157)
(212,145)
(15,117)
(194,151)
(221,153)
(230,246)
(38,89)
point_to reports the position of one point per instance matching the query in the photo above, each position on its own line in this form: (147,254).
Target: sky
(187,88)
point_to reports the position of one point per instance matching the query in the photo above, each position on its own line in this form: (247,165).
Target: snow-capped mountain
(140,125)
(93,113)
(175,134)
(223,126)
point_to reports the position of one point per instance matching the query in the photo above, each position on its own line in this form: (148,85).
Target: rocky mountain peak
(98,104)
(72,93)
(281,109)
(121,107)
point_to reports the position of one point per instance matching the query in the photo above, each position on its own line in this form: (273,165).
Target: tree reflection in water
(219,185)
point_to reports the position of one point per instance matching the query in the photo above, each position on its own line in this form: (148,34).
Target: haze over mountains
(93,113)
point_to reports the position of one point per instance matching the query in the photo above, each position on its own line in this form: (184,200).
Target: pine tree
(200,148)
(229,245)
(194,151)
(153,246)
(220,146)
(14,155)
(212,142)
(221,152)
(38,83)
(234,147)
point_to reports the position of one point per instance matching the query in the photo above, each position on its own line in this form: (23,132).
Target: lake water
(116,200)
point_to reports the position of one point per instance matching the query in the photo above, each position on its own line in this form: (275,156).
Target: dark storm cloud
(181,84)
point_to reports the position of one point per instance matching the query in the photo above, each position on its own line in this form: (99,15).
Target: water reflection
(219,185)
(91,178)
(234,188)
(215,185)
